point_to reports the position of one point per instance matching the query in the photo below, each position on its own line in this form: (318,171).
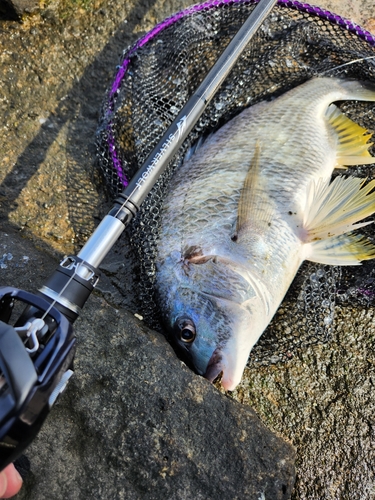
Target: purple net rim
(294,4)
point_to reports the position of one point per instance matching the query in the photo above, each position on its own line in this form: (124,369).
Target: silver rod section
(101,241)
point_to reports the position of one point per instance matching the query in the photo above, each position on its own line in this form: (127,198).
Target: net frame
(123,68)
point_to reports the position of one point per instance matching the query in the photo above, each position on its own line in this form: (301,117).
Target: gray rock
(323,402)
(14,9)
(136,423)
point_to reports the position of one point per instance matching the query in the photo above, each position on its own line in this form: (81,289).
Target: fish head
(211,334)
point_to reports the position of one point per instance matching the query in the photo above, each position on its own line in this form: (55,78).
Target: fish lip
(215,366)
(219,364)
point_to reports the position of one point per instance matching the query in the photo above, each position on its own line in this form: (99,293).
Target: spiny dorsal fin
(336,208)
(332,212)
(353,145)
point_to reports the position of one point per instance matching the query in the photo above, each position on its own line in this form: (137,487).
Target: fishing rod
(37,349)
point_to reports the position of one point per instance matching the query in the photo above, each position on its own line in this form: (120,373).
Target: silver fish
(248,208)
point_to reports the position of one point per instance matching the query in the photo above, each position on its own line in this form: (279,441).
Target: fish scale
(234,227)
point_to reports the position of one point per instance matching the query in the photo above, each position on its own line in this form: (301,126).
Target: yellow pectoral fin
(332,212)
(352,139)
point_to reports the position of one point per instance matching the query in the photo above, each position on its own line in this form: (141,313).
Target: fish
(253,202)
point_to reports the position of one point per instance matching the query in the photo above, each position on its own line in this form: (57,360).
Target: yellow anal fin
(352,139)
(336,208)
(344,250)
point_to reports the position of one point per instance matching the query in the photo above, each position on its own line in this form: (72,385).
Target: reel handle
(31,376)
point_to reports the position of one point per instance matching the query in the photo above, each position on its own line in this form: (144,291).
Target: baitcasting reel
(37,347)
(35,366)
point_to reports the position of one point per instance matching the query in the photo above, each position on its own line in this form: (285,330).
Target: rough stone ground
(138,424)
(54,71)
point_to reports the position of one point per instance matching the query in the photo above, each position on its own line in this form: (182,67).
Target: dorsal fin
(332,213)
(353,145)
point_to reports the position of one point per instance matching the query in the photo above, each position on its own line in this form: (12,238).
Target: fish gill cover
(155,79)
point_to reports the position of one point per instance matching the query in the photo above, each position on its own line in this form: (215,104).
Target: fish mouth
(221,364)
(215,366)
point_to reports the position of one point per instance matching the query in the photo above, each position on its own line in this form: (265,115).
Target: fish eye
(186,330)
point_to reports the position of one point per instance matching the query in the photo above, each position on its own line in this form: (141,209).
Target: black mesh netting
(156,78)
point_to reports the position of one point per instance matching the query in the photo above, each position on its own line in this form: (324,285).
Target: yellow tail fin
(353,145)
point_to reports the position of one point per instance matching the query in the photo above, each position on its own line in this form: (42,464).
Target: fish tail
(358,90)
(352,139)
